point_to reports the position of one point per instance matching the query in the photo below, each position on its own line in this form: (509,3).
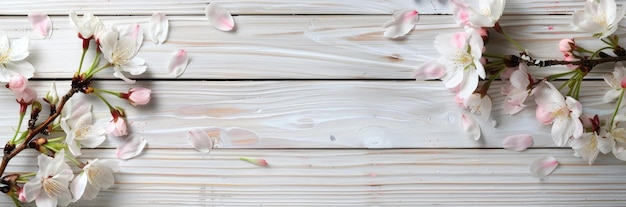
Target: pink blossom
(137,96)
(27,96)
(117,127)
(562,112)
(17,83)
(567,46)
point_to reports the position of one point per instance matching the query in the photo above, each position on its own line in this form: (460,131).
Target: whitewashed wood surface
(314,88)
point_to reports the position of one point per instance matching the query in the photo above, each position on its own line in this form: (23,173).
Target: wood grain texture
(243,7)
(300,47)
(418,177)
(315,114)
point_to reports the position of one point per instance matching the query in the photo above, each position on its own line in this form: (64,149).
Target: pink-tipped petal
(178,63)
(468,123)
(259,162)
(518,142)
(131,147)
(401,24)
(429,70)
(41,23)
(219,17)
(200,140)
(159,27)
(542,167)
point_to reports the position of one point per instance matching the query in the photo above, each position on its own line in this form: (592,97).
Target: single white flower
(49,187)
(86,27)
(461,53)
(477,104)
(79,129)
(619,148)
(12,55)
(617,81)
(599,18)
(562,112)
(96,175)
(591,144)
(120,50)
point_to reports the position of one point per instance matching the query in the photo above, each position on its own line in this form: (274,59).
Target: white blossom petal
(132,147)
(518,142)
(19,49)
(178,63)
(219,17)
(78,185)
(543,166)
(41,23)
(159,27)
(200,140)
(401,24)
(470,126)
(429,70)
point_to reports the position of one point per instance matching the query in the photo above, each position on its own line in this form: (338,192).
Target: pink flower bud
(17,83)
(26,96)
(117,127)
(137,96)
(623,82)
(21,196)
(567,46)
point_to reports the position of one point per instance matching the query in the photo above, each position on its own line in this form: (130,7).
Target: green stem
(617,106)
(93,72)
(95,62)
(512,41)
(107,91)
(19,126)
(82,58)
(103,100)
(493,55)
(558,75)
(598,52)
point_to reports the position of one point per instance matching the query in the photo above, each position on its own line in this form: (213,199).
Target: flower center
(601,19)
(93,175)
(562,112)
(4,58)
(462,59)
(52,187)
(121,55)
(80,133)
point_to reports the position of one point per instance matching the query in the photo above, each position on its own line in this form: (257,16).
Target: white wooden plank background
(357,90)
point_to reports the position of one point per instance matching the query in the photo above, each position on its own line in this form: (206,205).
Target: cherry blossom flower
(461,55)
(402,23)
(12,58)
(567,46)
(562,112)
(518,142)
(487,15)
(477,104)
(617,82)
(219,17)
(137,96)
(49,187)
(542,167)
(117,127)
(41,23)
(79,129)
(96,175)
(517,90)
(120,50)
(159,27)
(599,18)
(178,63)
(87,26)
(591,144)
(26,97)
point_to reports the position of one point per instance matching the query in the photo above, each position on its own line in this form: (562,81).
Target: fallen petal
(543,166)
(518,142)
(41,23)
(468,123)
(401,24)
(159,27)
(200,140)
(219,17)
(178,63)
(259,162)
(429,70)
(131,147)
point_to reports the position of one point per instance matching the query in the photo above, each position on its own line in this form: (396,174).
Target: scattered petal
(131,147)
(159,27)
(178,63)
(468,123)
(429,70)
(259,162)
(401,24)
(200,140)
(41,23)
(219,17)
(543,166)
(518,142)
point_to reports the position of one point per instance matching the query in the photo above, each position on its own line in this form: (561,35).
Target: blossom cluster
(466,67)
